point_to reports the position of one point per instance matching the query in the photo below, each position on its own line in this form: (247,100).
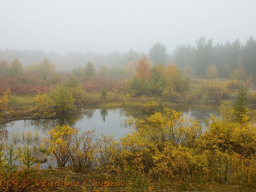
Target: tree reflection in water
(47,124)
(89,112)
(104,114)
(105,120)
(69,119)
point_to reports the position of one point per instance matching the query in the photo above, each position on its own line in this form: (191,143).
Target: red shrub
(95,85)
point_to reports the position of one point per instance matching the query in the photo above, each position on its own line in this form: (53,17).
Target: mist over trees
(158,54)
(70,60)
(225,60)
(203,60)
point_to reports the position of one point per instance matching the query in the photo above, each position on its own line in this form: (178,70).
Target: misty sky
(119,25)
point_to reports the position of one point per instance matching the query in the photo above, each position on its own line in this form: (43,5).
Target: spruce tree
(240,105)
(104,91)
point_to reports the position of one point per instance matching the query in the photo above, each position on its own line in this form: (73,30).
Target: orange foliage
(143,69)
(172,71)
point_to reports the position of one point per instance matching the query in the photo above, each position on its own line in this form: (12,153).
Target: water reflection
(47,124)
(104,114)
(199,112)
(3,134)
(42,124)
(70,119)
(89,112)
(112,122)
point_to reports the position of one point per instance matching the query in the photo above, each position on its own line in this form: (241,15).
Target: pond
(111,122)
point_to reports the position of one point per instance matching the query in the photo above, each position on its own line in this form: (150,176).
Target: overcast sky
(119,25)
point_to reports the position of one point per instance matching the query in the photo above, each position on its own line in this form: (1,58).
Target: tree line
(224,60)
(204,60)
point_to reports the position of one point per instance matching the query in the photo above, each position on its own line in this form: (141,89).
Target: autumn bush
(138,87)
(170,93)
(61,99)
(147,106)
(142,152)
(44,106)
(171,146)
(70,147)
(59,143)
(82,151)
(234,84)
(4,109)
(229,146)
(213,90)
(166,146)
(107,158)
(157,80)
(4,101)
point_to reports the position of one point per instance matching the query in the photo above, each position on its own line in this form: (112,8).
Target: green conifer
(240,105)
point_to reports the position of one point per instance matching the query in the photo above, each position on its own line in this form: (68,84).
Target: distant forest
(223,60)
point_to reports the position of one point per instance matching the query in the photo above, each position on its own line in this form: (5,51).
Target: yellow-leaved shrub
(59,143)
(167,145)
(44,106)
(3,103)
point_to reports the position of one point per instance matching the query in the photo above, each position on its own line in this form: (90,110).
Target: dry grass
(164,186)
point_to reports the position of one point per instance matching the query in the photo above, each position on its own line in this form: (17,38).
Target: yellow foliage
(62,98)
(227,145)
(59,143)
(82,151)
(157,144)
(175,79)
(147,106)
(44,106)
(59,100)
(167,145)
(108,155)
(213,90)
(170,145)
(169,126)
(78,95)
(3,103)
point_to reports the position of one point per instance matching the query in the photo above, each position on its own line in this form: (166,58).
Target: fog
(105,26)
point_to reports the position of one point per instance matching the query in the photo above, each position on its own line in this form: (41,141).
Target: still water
(111,122)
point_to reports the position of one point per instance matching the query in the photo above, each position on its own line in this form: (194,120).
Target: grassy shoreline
(22,106)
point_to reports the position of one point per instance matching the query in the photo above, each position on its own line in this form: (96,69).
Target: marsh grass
(25,137)
(21,101)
